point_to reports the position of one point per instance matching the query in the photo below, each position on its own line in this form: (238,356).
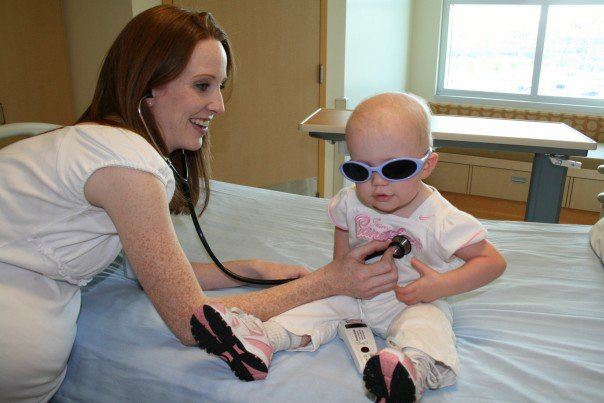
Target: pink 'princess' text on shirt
(368,229)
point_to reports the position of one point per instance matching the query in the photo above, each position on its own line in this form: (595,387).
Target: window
(523,53)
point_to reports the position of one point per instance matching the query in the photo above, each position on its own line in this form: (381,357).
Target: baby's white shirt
(436,230)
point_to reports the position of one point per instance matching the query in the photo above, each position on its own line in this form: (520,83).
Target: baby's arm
(340,243)
(483,264)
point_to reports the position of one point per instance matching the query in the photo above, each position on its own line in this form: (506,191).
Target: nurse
(72,198)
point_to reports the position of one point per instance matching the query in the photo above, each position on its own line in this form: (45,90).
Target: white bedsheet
(535,334)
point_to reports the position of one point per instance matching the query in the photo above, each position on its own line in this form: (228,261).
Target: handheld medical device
(359,340)
(357,336)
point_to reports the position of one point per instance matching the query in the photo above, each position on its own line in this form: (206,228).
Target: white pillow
(596,238)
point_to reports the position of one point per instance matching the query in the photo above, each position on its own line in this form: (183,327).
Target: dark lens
(355,172)
(399,169)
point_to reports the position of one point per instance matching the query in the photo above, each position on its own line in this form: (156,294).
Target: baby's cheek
(363,191)
(406,191)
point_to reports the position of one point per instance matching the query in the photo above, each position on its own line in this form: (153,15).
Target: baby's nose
(377,180)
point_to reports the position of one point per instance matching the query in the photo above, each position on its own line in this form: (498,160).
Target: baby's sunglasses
(394,170)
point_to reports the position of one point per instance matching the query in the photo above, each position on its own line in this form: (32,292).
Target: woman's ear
(150,99)
(429,166)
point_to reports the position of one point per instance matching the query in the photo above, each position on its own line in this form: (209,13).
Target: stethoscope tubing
(184,182)
(206,245)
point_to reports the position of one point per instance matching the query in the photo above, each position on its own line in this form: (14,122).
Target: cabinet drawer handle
(518,179)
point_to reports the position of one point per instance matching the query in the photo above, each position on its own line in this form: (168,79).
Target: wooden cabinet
(450,177)
(500,183)
(510,180)
(566,191)
(584,194)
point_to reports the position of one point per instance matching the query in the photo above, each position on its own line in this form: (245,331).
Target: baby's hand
(427,288)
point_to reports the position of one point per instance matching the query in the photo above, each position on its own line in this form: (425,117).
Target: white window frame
(523,101)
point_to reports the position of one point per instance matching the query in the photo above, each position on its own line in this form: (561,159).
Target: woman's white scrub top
(48,226)
(51,242)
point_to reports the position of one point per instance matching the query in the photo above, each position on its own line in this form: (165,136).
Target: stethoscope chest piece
(402,245)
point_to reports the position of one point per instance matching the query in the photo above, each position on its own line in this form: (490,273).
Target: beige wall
(367,48)
(423,49)
(367,53)
(336,43)
(90,27)
(34,78)
(376,51)
(138,6)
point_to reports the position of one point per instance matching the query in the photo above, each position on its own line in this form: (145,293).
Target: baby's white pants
(425,327)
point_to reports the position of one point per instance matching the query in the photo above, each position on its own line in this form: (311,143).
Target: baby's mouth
(382,197)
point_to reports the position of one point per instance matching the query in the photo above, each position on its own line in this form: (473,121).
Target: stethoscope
(400,242)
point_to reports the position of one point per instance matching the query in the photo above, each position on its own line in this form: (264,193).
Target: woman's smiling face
(184,107)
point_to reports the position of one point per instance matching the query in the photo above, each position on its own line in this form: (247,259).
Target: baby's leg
(247,345)
(308,326)
(424,332)
(421,354)
(280,339)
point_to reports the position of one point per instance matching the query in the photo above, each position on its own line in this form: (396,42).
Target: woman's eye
(222,85)
(202,86)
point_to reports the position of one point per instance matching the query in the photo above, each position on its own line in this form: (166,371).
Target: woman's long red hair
(152,50)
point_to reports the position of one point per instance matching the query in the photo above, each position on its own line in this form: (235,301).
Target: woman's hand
(264,270)
(349,275)
(427,288)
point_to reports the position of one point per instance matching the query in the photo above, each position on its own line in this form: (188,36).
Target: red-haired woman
(72,198)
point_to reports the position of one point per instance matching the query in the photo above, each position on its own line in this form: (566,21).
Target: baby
(389,140)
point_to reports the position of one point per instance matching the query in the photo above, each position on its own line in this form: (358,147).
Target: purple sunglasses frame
(419,164)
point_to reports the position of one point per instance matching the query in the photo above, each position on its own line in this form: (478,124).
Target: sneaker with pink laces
(237,338)
(391,377)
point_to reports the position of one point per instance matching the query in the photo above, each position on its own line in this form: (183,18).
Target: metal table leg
(546,190)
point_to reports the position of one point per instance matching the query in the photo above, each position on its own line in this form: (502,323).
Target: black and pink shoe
(391,377)
(237,338)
